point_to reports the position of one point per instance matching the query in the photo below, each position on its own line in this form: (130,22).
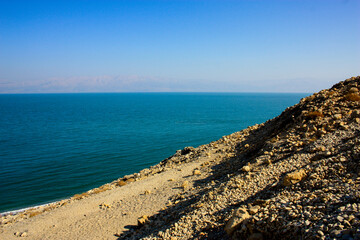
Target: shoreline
(182,163)
(108,186)
(122,181)
(78,161)
(13,212)
(294,175)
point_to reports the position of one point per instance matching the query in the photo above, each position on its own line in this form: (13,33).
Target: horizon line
(16,93)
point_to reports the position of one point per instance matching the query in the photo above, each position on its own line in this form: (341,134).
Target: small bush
(100,189)
(97,190)
(105,187)
(33,214)
(121,183)
(48,208)
(80,196)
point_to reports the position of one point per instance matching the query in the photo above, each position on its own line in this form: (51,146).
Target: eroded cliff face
(294,176)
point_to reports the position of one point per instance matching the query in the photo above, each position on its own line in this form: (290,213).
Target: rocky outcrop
(296,175)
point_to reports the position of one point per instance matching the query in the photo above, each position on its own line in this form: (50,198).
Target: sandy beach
(107,214)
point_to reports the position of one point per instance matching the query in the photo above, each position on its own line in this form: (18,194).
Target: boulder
(254,209)
(187,150)
(236,220)
(294,177)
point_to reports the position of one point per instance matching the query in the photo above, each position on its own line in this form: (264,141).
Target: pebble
(246,169)
(185,185)
(254,209)
(340,219)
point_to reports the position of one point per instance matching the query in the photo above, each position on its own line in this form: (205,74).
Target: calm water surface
(55,145)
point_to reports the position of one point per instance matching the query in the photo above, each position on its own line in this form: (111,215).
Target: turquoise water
(53,146)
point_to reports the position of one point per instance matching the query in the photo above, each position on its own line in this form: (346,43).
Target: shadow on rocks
(257,140)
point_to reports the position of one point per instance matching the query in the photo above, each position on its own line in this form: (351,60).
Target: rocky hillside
(295,176)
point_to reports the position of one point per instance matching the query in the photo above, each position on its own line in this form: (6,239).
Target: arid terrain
(295,176)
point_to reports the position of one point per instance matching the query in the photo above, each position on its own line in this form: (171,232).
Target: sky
(177,45)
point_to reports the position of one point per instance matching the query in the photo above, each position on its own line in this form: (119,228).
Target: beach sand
(106,214)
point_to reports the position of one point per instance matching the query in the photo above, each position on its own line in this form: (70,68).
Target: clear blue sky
(120,46)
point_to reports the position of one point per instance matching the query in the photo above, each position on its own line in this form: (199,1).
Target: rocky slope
(295,176)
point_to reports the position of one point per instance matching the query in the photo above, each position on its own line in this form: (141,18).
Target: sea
(53,146)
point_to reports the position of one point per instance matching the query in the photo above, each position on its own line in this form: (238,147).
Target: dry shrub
(315,114)
(97,190)
(121,183)
(352,97)
(48,208)
(80,196)
(105,187)
(102,188)
(33,214)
